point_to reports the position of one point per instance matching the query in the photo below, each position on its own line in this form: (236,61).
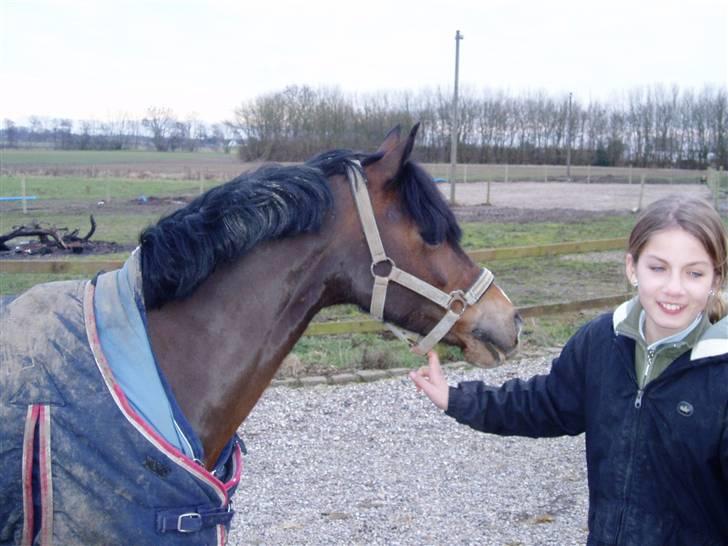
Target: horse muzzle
(487,341)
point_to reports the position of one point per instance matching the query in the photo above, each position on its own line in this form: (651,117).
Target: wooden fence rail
(90,267)
(354,326)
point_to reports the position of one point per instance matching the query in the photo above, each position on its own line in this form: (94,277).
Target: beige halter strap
(455,303)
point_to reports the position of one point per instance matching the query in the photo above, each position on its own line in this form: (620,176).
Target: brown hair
(699,219)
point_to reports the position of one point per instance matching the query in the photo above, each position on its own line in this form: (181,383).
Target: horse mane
(424,203)
(183,248)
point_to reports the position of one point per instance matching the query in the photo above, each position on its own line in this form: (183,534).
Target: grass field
(34,158)
(73,188)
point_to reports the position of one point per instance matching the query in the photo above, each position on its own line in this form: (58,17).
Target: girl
(648,384)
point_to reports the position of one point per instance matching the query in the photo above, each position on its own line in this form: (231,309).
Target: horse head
(419,270)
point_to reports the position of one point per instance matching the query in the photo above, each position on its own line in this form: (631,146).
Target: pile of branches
(50,239)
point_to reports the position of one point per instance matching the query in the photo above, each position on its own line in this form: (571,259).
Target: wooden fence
(90,267)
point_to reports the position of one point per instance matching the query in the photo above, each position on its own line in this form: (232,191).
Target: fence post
(22,192)
(718,184)
(545,173)
(630,173)
(506,180)
(487,191)
(588,174)
(642,192)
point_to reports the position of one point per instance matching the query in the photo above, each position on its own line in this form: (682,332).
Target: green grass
(112,227)
(97,158)
(362,351)
(12,284)
(477,235)
(553,331)
(73,188)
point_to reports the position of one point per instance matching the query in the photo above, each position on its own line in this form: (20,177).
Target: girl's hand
(432,382)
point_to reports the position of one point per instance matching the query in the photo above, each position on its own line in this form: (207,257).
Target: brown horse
(217,295)
(245,318)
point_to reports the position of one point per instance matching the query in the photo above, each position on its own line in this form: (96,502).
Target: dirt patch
(92,248)
(567,195)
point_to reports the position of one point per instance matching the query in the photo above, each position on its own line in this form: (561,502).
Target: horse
(210,303)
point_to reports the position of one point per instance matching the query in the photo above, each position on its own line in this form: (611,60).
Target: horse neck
(220,348)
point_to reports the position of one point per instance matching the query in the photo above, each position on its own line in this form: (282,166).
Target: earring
(635,283)
(711,293)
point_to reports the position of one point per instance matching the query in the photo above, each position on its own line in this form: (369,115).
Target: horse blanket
(78,465)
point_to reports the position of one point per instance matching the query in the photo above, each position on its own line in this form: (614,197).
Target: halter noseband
(455,303)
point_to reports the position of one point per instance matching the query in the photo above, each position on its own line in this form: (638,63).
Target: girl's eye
(695,274)
(657,268)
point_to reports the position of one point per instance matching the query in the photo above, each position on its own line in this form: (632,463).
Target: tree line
(653,126)
(159,130)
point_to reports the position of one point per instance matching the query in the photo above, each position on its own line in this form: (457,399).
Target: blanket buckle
(191,522)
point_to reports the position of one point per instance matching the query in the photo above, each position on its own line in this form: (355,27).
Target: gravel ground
(376,463)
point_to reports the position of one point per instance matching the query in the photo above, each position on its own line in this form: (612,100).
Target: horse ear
(410,144)
(391,140)
(395,157)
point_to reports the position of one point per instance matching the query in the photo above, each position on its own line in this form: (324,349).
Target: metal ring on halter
(392,267)
(457,296)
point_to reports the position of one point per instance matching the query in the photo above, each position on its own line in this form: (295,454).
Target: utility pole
(454,125)
(568,141)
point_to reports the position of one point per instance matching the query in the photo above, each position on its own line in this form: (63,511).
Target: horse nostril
(518,320)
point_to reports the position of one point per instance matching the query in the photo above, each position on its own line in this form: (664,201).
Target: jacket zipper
(635,435)
(645,376)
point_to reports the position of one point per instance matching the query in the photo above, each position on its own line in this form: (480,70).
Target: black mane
(424,203)
(183,249)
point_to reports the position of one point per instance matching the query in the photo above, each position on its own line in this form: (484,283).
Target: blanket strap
(192,519)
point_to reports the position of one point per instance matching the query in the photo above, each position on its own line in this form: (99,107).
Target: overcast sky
(97,59)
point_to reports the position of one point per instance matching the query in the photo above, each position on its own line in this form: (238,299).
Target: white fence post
(642,193)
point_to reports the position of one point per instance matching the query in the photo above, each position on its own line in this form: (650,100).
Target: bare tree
(160,121)
(11,134)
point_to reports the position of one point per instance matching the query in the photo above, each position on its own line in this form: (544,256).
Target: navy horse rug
(79,463)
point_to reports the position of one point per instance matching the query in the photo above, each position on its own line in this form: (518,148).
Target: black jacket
(658,470)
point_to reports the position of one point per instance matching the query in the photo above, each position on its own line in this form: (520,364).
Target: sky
(103,60)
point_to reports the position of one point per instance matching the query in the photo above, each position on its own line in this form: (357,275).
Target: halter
(455,303)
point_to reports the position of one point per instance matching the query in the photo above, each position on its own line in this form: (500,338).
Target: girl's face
(675,277)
